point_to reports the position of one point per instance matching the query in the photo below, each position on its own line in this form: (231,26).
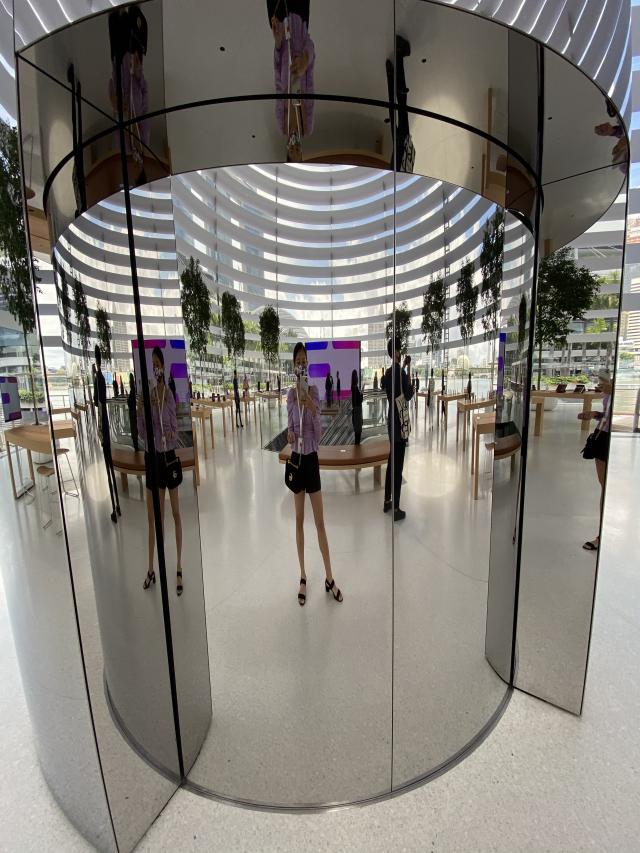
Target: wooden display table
(445,399)
(131,462)
(464,408)
(587,398)
(222,405)
(35,438)
(204,414)
(350,457)
(484,424)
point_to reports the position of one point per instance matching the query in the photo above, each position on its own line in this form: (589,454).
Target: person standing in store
(116,389)
(469,388)
(236,397)
(164,422)
(397,381)
(417,389)
(133,417)
(303,434)
(245,387)
(121,386)
(382,380)
(356,406)
(599,441)
(338,386)
(431,388)
(279,388)
(328,387)
(100,400)
(375,380)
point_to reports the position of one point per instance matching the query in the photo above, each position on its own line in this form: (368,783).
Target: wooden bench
(130,462)
(350,457)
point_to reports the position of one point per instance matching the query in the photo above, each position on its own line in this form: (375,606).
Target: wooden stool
(46,472)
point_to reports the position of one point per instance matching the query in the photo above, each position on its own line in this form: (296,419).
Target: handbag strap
(160,414)
(300,417)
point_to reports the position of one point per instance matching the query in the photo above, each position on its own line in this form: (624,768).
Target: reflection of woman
(601,444)
(133,415)
(293,63)
(165,436)
(304,430)
(356,406)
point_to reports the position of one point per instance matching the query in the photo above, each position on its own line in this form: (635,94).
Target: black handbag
(293,477)
(173,466)
(293,472)
(589,450)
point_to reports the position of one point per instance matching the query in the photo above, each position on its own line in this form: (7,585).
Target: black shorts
(310,474)
(601,448)
(163,482)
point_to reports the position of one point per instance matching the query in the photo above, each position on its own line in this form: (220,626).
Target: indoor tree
(232,326)
(196,309)
(270,334)
(402,326)
(466,302)
(82,317)
(565,293)
(434,305)
(64,300)
(16,266)
(491,259)
(103,333)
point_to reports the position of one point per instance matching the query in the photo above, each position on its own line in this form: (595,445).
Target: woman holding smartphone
(165,436)
(304,431)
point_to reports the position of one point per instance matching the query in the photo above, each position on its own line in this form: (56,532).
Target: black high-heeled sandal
(150,578)
(179,586)
(301,595)
(331,587)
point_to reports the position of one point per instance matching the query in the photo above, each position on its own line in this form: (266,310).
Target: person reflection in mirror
(397,87)
(165,437)
(100,399)
(133,414)
(356,406)
(303,434)
(293,63)
(469,388)
(236,397)
(396,382)
(602,441)
(128,33)
(431,388)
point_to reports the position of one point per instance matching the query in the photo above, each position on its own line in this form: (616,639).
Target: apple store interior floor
(543,779)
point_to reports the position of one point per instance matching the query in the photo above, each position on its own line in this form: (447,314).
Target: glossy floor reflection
(303,702)
(546,778)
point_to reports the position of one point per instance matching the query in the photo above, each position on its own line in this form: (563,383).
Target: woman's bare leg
(323,542)
(177,520)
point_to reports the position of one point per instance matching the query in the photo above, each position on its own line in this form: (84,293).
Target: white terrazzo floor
(543,781)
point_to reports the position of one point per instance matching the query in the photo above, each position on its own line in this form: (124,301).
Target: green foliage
(402,326)
(251,327)
(270,334)
(605,301)
(466,301)
(15,272)
(232,325)
(523,310)
(627,356)
(597,326)
(491,258)
(565,294)
(27,396)
(196,307)
(433,309)
(103,333)
(82,317)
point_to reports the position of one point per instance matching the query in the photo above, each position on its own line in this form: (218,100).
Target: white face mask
(300,370)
